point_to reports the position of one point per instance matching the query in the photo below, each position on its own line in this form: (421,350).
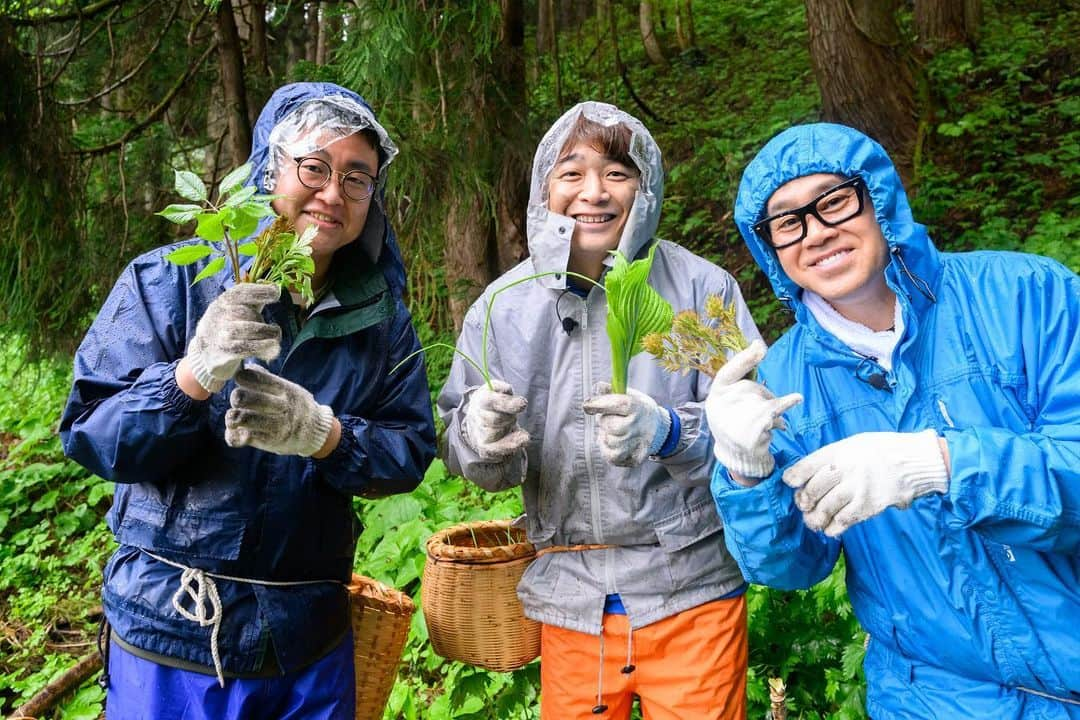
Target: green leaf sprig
(281,257)
(634,310)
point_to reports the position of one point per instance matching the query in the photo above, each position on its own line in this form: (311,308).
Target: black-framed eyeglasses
(315,172)
(836,205)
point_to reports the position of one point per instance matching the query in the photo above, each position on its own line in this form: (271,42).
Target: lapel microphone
(568,323)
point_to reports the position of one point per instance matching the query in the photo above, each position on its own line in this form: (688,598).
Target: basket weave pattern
(469,595)
(380,624)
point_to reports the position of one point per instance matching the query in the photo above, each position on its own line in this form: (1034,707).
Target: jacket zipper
(587,382)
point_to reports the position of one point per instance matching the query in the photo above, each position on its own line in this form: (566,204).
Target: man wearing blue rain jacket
(923,415)
(238,422)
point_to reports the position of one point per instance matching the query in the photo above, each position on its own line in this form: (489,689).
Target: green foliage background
(998,169)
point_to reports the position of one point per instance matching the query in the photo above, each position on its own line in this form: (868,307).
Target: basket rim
(380,595)
(439,549)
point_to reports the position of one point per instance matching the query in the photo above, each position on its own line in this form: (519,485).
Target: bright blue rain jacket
(184,495)
(967,596)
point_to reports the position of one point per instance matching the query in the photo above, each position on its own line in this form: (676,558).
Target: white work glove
(742,415)
(230,330)
(856,478)
(274,414)
(490,426)
(630,427)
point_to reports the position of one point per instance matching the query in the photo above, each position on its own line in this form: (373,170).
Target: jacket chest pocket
(982,397)
(206,533)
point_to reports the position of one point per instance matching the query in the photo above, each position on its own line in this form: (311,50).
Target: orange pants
(691,666)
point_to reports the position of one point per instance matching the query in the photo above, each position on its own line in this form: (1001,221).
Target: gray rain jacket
(671,554)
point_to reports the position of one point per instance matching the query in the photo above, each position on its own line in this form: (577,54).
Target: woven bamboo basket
(469,595)
(380,624)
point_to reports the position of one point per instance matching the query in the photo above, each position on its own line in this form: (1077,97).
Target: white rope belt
(199,587)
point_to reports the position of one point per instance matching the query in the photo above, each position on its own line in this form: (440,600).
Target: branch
(154,114)
(134,71)
(49,695)
(88,11)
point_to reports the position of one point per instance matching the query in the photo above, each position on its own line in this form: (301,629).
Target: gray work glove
(630,426)
(742,415)
(275,414)
(854,479)
(230,330)
(490,425)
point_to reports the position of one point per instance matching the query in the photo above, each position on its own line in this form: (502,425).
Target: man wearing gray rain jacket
(656,610)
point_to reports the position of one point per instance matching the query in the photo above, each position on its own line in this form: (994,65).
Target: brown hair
(610,140)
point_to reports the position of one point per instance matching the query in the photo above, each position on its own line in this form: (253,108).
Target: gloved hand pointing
(230,330)
(742,415)
(630,426)
(274,414)
(856,478)
(490,424)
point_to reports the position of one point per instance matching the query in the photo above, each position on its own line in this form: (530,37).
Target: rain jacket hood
(549,233)
(376,239)
(840,150)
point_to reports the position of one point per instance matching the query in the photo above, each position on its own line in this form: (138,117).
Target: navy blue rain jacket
(970,595)
(184,495)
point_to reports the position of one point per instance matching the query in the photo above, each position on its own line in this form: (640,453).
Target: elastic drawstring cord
(600,706)
(629,667)
(917,281)
(200,587)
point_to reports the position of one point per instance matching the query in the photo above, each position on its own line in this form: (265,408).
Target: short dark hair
(612,141)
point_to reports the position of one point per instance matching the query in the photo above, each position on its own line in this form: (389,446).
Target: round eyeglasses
(314,173)
(836,205)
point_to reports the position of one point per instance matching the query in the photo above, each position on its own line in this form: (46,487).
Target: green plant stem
(491,304)
(414,353)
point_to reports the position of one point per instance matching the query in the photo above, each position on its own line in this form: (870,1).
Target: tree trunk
(257,48)
(512,183)
(545,11)
(231,57)
(311,49)
(943,23)
(684,25)
(294,28)
(863,76)
(648,34)
(493,101)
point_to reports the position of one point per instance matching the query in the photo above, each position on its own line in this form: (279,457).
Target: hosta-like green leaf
(190,186)
(634,310)
(215,266)
(180,214)
(231,182)
(188,254)
(248,249)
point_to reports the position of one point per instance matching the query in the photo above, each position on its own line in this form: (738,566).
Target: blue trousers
(143,690)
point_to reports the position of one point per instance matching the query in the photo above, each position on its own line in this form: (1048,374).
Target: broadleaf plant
(634,310)
(281,257)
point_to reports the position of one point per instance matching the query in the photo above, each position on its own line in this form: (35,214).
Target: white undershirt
(858,337)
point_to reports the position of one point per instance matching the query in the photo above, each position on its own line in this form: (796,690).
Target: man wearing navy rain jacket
(922,415)
(238,422)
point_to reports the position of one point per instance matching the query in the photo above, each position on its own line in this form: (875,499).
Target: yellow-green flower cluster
(698,343)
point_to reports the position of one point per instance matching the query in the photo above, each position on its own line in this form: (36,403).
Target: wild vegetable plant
(697,343)
(634,310)
(281,257)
